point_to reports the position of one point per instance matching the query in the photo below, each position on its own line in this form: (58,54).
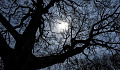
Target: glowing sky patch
(62,26)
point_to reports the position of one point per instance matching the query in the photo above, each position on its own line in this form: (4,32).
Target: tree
(29,24)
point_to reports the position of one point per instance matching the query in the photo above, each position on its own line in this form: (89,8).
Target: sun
(62,26)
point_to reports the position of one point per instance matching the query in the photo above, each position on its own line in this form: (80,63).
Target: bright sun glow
(62,26)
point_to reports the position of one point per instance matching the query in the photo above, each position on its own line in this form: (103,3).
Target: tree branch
(4,47)
(92,29)
(53,59)
(22,20)
(108,16)
(9,27)
(49,5)
(29,34)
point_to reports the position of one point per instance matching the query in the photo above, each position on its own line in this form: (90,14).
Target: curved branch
(42,62)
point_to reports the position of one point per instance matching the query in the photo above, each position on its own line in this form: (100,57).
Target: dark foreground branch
(9,27)
(42,62)
(4,47)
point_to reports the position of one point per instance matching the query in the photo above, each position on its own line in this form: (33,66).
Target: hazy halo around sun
(62,26)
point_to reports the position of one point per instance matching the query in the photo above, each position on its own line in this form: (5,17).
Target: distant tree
(29,38)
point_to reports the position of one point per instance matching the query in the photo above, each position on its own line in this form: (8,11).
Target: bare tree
(29,39)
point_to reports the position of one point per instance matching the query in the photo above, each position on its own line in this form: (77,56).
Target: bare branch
(4,47)
(9,27)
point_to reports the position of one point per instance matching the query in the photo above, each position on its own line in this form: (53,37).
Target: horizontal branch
(80,41)
(105,42)
(42,62)
(103,32)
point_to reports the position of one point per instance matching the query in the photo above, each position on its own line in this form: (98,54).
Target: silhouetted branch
(4,47)
(53,59)
(45,10)
(9,27)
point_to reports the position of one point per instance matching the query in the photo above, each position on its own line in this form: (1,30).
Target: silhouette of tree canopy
(29,38)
